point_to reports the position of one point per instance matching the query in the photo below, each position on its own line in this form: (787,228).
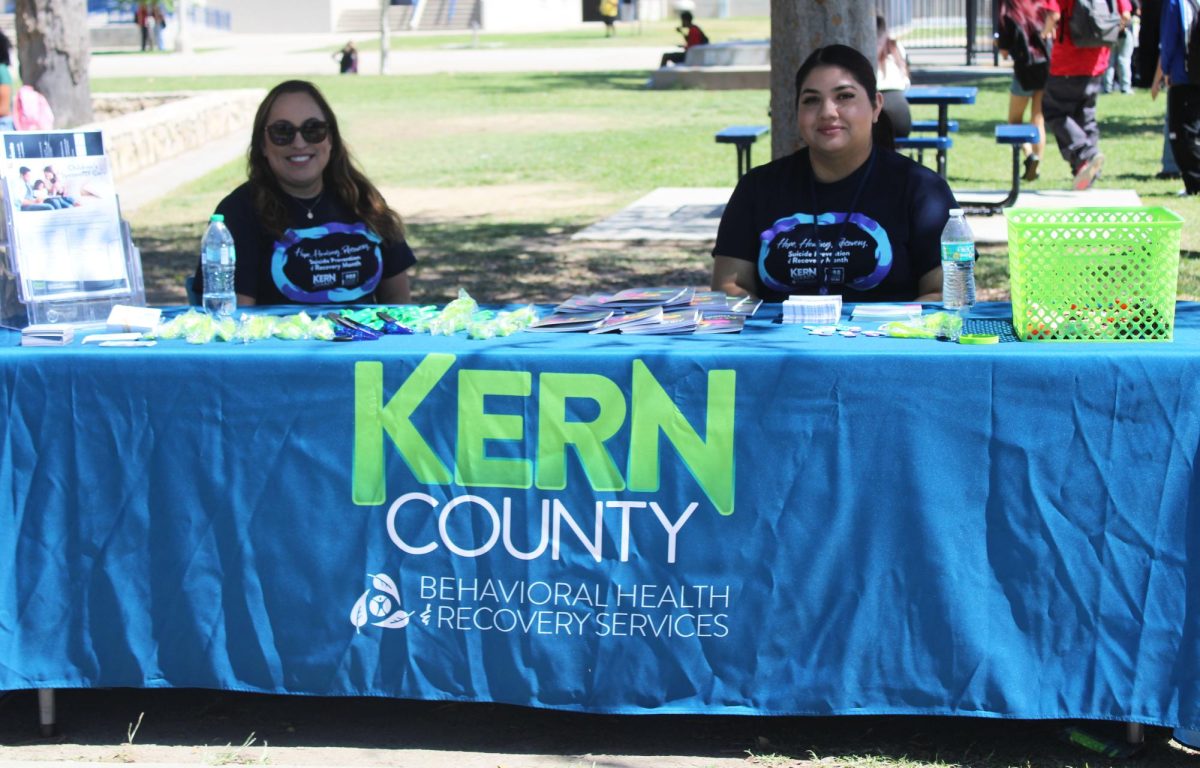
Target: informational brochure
(720,322)
(638,298)
(64,222)
(568,322)
(683,321)
(651,316)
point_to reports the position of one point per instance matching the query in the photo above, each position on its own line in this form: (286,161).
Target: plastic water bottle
(218,258)
(958,264)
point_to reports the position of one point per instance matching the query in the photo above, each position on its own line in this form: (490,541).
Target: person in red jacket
(141,17)
(1069,103)
(692,36)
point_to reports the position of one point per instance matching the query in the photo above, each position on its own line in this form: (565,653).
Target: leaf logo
(381,601)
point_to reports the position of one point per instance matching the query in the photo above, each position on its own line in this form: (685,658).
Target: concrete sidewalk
(313,54)
(692,214)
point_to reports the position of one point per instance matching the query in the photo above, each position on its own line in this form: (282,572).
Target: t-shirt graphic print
(837,251)
(327,264)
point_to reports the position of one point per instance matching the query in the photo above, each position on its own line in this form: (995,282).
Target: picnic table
(768,522)
(942,97)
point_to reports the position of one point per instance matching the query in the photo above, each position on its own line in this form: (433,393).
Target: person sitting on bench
(692,36)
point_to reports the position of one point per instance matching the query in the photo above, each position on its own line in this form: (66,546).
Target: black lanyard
(812,185)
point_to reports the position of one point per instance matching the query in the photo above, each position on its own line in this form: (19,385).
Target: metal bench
(742,137)
(988,202)
(922,143)
(931,126)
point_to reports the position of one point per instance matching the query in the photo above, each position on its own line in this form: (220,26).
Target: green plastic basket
(1093,274)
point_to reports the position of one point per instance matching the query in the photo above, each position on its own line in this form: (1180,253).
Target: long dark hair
(342,177)
(1023,13)
(859,67)
(5,45)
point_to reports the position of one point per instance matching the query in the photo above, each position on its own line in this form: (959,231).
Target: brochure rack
(68,255)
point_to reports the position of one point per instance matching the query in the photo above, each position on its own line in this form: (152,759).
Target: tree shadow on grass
(169,254)
(517,262)
(495,262)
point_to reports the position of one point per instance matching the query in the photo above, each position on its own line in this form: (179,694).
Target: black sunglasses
(281,133)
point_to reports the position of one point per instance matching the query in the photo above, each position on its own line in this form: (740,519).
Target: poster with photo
(64,223)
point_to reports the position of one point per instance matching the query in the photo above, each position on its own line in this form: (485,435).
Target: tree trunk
(798,27)
(385,34)
(183,36)
(52,38)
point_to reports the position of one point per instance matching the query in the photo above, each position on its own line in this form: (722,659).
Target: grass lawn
(593,143)
(647,33)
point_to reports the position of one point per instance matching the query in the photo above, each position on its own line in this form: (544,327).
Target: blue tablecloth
(770,522)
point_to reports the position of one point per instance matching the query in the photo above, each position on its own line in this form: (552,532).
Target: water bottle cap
(956,212)
(217,217)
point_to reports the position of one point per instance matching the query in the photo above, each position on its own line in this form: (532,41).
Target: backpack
(1030,56)
(1095,24)
(1191,56)
(31,111)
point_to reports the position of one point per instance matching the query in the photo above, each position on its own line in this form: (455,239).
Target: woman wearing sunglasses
(308,226)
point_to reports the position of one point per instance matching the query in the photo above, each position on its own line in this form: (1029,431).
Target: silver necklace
(308,209)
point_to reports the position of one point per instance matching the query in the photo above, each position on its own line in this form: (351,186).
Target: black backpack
(1095,23)
(1030,55)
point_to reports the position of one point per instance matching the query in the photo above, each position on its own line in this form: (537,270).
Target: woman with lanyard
(846,215)
(308,226)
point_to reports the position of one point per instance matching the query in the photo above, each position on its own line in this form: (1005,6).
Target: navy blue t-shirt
(329,259)
(785,222)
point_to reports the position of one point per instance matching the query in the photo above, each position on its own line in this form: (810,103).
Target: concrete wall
(258,16)
(528,15)
(140,139)
(711,9)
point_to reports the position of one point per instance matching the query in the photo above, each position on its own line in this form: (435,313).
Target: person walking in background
(892,78)
(1071,90)
(608,12)
(141,17)
(1119,75)
(1020,38)
(347,59)
(1183,96)
(692,36)
(6,85)
(160,24)
(1169,168)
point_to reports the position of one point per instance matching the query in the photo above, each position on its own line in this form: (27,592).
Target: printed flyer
(63,219)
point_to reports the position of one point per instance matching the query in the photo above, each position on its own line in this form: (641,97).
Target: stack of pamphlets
(627,322)
(721,322)
(670,310)
(743,305)
(47,335)
(885,311)
(641,298)
(681,321)
(572,321)
(812,309)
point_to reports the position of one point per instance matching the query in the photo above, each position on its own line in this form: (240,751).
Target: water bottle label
(958,251)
